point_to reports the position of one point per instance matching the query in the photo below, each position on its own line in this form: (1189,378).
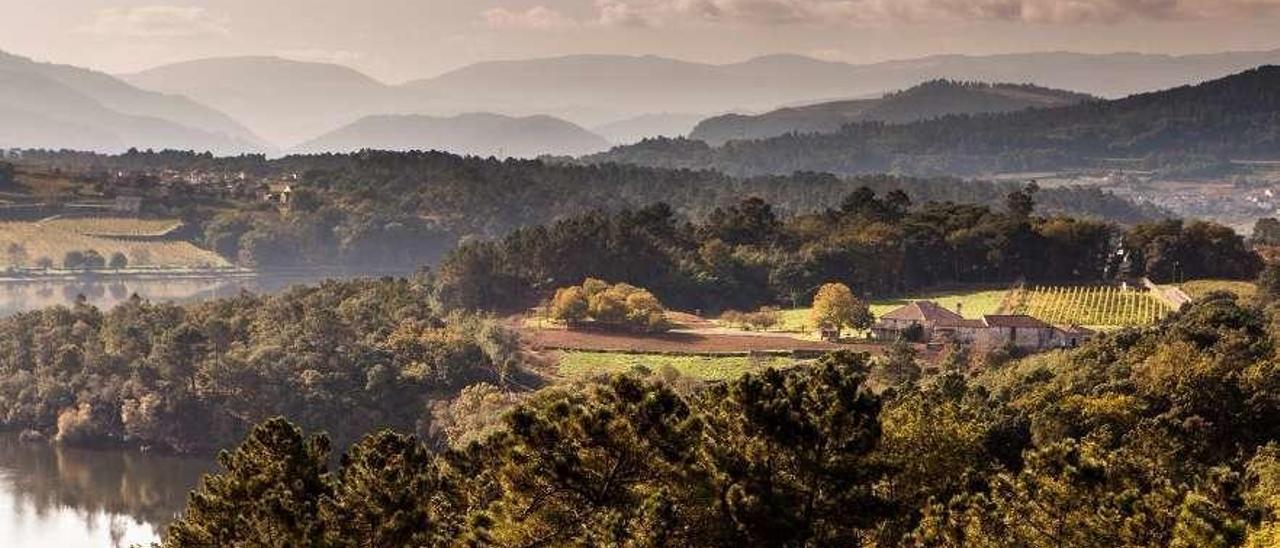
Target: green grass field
(974,303)
(1092,306)
(1199,288)
(586,364)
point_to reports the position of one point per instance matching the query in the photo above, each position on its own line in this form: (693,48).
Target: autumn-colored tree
(611,305)
(569,305)
(835,305)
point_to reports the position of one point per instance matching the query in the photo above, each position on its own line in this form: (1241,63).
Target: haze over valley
(640,273)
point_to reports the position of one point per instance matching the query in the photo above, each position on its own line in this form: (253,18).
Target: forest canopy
(388,211)
(1155,437)
(346,357)
(748,255)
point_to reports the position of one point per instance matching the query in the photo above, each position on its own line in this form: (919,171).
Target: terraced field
(114,226)
(1103,306)
(33,245)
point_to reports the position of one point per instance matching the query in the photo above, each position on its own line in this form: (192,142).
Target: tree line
(396,210)
(748,255)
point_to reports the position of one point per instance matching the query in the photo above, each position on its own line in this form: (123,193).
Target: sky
(399,40)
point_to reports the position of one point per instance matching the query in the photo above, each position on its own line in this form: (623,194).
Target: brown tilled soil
(677,342)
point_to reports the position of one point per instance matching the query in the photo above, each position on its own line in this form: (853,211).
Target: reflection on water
(51,496)
(23,295)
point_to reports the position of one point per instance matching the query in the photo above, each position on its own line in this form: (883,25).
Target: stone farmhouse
(934,323)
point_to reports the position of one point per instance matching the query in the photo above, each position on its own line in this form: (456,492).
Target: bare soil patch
(679,342)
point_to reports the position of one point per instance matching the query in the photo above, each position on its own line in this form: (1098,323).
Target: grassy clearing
(1199,288)
(114,226)
(23,245)
(974,304)
(1093,305)
(586,364)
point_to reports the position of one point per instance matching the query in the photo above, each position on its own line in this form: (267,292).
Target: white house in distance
(936,323)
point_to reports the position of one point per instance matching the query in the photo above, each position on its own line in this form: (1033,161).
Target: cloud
(158,22)
(535,18)
(843,12)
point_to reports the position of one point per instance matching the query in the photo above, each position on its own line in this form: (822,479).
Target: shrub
(73,260)
(764,318)
(620,305)
(118,261)
(93,259)
(569,305)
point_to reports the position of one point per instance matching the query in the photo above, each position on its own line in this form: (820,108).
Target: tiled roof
(1075,330)
(923,311)
(977,324)
(1017,320)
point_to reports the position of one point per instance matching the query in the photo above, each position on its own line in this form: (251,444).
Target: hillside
(382,210)
(594,89)
(638,128)
(476,134)
(46,105)
(925,101)
(41,112)
(287,102)
(1237,117)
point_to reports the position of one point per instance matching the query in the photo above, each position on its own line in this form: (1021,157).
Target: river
(62,497)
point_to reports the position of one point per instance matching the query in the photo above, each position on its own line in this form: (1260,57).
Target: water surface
(22,295)
(63,497)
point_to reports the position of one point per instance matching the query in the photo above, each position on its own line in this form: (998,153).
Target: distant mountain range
(923,102)
(57,106)
(267,104)
(472,134)
(1232,118)
(289,102)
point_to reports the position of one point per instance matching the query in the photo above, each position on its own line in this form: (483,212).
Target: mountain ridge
(124,98)
(1236,117)
(593,90)
(55,106)
(928,100)
(476,134)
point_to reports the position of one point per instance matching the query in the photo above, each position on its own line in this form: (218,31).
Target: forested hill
(389,209)
(1237,117)
(482,134)
(923,102)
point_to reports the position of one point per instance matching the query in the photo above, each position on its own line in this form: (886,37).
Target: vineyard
(114,226)
(38,245)
(1092,305)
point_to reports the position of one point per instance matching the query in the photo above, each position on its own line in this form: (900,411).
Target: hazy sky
(396,40)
